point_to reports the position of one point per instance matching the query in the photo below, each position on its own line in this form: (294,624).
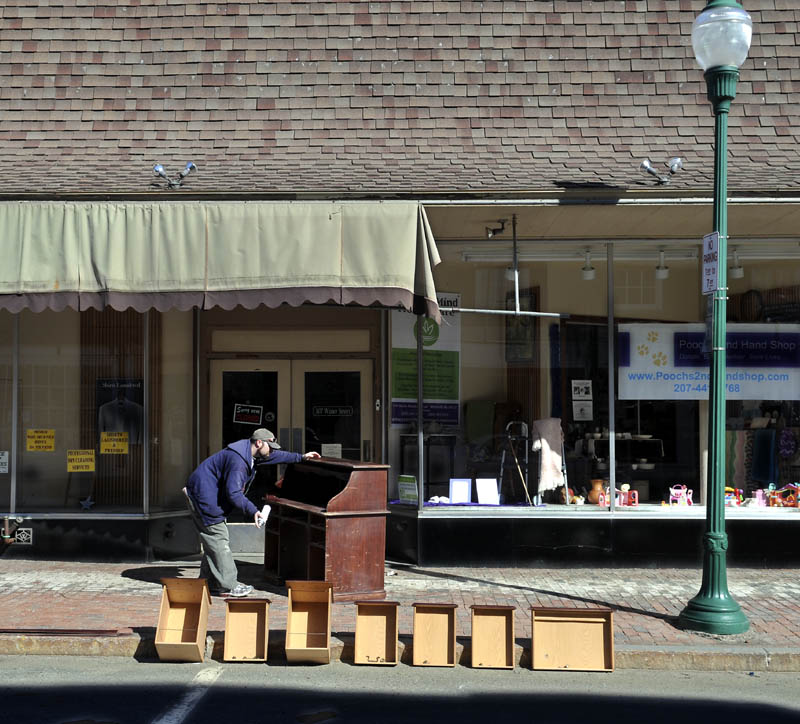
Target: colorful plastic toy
(629,498)
(786,497)
(734,496)
(680,495)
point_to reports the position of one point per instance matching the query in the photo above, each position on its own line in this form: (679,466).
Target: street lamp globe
(721,35)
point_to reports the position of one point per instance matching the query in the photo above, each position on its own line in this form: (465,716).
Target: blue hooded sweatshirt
(219,483)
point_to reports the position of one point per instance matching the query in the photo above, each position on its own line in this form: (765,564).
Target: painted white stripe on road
(197,690)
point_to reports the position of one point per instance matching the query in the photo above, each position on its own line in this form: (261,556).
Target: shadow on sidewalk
(251,573)
(154,574)
(672,620)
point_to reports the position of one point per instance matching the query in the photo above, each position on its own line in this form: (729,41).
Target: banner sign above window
(670,362)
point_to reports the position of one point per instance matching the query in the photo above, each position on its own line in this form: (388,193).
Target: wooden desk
(329,524)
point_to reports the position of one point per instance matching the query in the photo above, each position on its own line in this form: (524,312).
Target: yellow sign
(80,461)
(41,440)
(113,443)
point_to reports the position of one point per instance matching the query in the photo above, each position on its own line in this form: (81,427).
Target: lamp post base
(713,615)
(713,609)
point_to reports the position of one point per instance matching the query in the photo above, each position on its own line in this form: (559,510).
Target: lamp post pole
(718,36)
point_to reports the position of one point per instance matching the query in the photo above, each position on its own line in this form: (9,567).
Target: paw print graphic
(659,359)
(643,350)
(652,336)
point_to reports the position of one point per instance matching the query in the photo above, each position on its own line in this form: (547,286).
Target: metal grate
(23,536)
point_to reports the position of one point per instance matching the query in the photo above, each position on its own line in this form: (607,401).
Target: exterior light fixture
(674,165)
(721,37)
(662,270)
(587,271)
(737,270)
(490,232)
(158,170)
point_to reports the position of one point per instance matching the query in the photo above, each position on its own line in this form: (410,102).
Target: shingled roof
(383,98)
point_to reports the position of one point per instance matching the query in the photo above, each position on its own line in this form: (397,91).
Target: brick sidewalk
(646,601)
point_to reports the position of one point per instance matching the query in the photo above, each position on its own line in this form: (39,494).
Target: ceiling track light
(674,165)
(662,270)
(587,270)
(158,170)
(737,270)
(490,232)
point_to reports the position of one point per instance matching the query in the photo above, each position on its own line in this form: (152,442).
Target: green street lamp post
(721,37)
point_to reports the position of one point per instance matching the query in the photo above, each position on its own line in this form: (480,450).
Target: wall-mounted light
(662,270)
(674,165)
(587,270)
(490,232)
(158,170)
(737,270)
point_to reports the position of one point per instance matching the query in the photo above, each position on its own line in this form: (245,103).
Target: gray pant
(217,566)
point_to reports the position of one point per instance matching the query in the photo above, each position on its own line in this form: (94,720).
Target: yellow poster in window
(113,443)
(40,440)
(80,461)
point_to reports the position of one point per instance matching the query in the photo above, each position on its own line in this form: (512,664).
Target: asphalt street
(118,690)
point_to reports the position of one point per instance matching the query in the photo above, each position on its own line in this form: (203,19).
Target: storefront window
(659,446)
(50,417)
(494,382)
(6,406)
(763,348)
(518,376)
(172,395)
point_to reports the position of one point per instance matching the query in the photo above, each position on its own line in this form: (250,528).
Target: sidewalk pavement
(98,608)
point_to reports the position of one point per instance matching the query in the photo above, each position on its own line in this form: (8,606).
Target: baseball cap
(267,436)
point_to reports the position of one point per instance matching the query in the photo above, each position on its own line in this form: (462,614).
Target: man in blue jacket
(215,488)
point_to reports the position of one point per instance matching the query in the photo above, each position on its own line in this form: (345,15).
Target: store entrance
(322,405)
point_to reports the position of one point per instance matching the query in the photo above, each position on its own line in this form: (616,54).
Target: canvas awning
(165,255)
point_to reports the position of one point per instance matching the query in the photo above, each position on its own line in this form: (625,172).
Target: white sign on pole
(711,262)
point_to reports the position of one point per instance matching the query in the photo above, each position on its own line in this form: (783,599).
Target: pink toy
(680,495)
(761,498)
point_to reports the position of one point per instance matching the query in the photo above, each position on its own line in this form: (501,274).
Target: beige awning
(163,255)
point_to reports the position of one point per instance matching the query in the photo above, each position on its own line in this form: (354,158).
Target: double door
(324,405)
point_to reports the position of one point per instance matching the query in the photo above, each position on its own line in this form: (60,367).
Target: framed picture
(521,331)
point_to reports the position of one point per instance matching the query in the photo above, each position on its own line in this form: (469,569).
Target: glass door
(320,405)
(246,395)
(332,407)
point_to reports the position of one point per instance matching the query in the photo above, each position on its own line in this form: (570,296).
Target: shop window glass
(173,408)
(50,416)
(658,428)
(508,373)
(763,408)
(6,379)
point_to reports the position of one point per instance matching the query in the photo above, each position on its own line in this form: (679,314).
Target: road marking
(197,690)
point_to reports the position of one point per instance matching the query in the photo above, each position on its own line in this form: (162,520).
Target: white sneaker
(240,590)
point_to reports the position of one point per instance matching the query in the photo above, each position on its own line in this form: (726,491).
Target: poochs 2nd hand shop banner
(670,362)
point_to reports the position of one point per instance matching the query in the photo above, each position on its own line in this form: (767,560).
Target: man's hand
(310,455)
(279,483)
